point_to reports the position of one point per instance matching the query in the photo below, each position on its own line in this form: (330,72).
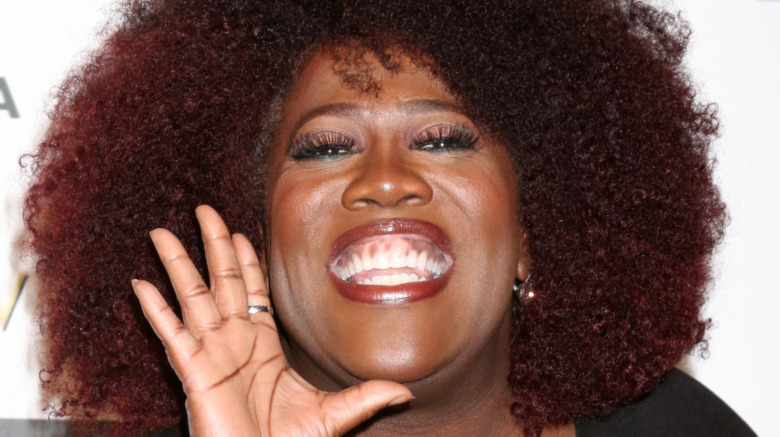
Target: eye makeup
(322,145)
(440,138)
(445,138)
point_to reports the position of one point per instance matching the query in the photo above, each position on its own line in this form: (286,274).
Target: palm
(236,377)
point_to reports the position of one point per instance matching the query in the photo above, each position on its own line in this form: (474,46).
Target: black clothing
(679,407)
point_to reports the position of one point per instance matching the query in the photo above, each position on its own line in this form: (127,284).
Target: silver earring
(523,290)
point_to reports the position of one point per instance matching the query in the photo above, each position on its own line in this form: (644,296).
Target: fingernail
(400,400)
(133,282)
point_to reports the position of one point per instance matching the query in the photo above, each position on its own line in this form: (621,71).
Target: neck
(467,412)
(468,396)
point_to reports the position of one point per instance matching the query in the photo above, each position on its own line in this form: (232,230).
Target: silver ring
(254,309)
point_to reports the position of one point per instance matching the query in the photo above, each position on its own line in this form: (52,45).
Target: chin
(404,366)
(397,347)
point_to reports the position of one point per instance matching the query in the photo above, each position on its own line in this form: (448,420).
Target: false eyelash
(321,145)
(446,137)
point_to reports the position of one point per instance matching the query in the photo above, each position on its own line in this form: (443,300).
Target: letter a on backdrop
(8,101)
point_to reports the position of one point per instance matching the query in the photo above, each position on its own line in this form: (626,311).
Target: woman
(550,161)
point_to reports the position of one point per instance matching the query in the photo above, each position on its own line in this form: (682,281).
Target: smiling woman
(402,187)
(390,188)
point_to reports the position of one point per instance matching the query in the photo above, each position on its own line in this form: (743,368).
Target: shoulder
(679,407)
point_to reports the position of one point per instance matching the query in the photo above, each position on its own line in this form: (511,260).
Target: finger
(254,280)
(347,409)
(197,304)
(227,284)
(178,341)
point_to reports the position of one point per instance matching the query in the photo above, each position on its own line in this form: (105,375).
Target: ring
(254,309)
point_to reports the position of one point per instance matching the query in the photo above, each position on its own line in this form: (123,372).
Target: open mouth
(390,260)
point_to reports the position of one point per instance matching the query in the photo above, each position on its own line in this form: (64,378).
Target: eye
(322,145)
(445,138)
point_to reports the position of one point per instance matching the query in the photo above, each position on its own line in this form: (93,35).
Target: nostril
(362,203)
(410,199)
(365,202)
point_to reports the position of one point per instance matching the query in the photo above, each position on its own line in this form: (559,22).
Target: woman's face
(393,235)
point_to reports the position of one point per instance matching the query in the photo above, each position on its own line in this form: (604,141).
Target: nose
(386,180)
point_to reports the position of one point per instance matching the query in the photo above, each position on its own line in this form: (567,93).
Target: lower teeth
(391,280)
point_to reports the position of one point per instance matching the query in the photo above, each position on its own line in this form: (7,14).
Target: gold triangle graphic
(8,308)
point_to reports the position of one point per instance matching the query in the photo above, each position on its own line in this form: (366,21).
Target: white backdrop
(734,58)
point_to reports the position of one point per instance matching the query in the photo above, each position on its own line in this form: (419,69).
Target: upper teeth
(383,261)
(391,260)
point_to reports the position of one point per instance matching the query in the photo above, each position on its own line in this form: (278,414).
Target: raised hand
(237,380)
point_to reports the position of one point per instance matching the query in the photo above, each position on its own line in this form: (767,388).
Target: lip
(397,294)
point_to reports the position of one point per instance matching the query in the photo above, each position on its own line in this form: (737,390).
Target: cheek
(298,198)
(296,209)
(491,236)
(487,196)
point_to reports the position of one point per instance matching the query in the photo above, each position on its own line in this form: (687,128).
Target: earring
(523,291)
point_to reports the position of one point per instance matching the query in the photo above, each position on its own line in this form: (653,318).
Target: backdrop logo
(7,308)
(7,103)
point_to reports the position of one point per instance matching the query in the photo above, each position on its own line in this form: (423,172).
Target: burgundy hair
(609,143)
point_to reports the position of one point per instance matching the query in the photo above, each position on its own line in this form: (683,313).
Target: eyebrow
(417,106)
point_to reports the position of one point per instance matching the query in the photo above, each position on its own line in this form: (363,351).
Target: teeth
(351,269)
(402,278)
(422,259)
(411,260)
(391,263)
(398,260)
(368,263)
(381,261)
(390,280)
(357,263)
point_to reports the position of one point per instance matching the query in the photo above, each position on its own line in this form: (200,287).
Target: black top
(679,407)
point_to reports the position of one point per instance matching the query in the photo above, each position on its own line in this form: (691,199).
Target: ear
(524,263)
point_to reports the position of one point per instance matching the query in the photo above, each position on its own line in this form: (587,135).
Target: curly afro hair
(610,146)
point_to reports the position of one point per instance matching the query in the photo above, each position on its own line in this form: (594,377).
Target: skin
(456,336)
(450,350)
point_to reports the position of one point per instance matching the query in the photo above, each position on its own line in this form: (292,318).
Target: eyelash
(321,145)
(330,145)
(446,137)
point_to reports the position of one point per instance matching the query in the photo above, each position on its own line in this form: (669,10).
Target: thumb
(346,409)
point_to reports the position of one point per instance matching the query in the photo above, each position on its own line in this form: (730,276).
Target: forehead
(322,82)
